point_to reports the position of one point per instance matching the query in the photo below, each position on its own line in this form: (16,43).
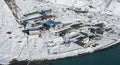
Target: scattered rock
(8,32)
(19,27)
(25,62)
(19,41)
(10,37)
(118,0)
(91,6)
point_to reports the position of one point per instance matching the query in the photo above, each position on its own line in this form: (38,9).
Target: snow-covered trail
(8,41)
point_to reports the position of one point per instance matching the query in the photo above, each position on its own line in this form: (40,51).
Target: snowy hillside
(15,44)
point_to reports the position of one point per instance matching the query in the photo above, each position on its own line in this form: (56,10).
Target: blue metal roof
(80,38)
(30,29)
(25,31)
(27,20)
(46,12)
(47,26)
(57,23)
(92,30)
(42,12)
(50,24)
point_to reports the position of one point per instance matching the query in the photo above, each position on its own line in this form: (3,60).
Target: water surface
(111,56)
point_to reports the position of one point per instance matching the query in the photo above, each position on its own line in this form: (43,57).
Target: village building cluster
(37,23)
(53,29)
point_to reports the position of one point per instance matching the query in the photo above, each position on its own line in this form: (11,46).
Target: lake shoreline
(79,55)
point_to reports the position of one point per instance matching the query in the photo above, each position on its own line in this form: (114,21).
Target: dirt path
(14,8)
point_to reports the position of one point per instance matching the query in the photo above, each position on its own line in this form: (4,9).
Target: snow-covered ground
(21,46)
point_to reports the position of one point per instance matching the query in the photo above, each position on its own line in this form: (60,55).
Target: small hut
(32,31)
(77,26)
(83,40)
(52,24)
(101,25)
(63,32)
(73,34)
(32,14)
